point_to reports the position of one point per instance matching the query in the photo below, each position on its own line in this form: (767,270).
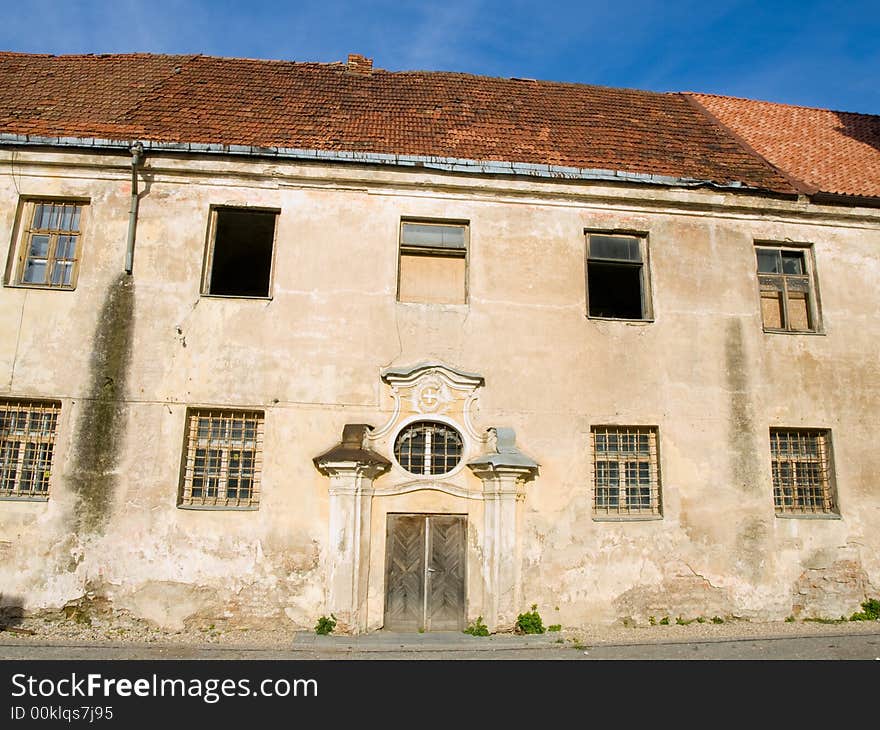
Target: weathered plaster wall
(126,357)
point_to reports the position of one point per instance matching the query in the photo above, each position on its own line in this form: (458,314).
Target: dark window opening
(616,279)
(241,262)
(615,290)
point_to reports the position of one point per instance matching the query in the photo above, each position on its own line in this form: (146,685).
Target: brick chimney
(360,65)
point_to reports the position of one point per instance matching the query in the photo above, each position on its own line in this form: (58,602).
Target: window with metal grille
(788,302)
(49,244)
(223,459)
(617,280)
(27,439)
(428,448)
(626,478)
(801,464)
(433,263)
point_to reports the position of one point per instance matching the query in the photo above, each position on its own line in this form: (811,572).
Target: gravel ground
(125,629)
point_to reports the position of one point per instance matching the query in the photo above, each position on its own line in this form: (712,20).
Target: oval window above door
(428,448)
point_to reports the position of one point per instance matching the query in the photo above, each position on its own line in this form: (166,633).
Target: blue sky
(824,54)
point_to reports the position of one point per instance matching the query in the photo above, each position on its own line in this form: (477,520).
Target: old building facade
(263,379)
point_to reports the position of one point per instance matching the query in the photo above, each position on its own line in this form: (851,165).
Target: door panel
(405,573)
(446,571)
(425,572)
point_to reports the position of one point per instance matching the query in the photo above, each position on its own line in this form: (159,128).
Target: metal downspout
(137,152)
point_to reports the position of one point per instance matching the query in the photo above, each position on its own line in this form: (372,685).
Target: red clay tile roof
(829,151)
(204,99)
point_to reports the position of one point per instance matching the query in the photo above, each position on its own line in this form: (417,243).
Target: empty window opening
(787,299)
(626,475)
(241,255)
(27,440)
(433,263)
(801,466)
(616,282)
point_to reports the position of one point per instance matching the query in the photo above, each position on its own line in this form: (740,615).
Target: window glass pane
(769,262)
(55,219)
(74,221)
(66,247)
(61,273)
(607,479)
(41,216)
(35,272)
(39,246)
(621,248)
(433,236)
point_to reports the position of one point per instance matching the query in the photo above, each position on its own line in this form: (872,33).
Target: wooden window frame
(814,312)
(20,246)
(644,266)
(226,446)
(42,438)
(801,500)
(210,240)
(618,506)
(438,252)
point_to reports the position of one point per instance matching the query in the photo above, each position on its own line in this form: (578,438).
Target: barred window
(49,244)
(428,448)
(27,439)
(801,465)
(224,454)
(626,474)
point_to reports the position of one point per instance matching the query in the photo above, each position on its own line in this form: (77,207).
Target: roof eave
(446,164)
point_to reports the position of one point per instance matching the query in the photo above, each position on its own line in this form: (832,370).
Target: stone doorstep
(429,641)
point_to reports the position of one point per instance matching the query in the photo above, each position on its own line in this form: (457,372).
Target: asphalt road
(860,647)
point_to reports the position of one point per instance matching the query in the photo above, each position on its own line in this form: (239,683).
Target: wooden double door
(425,560)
